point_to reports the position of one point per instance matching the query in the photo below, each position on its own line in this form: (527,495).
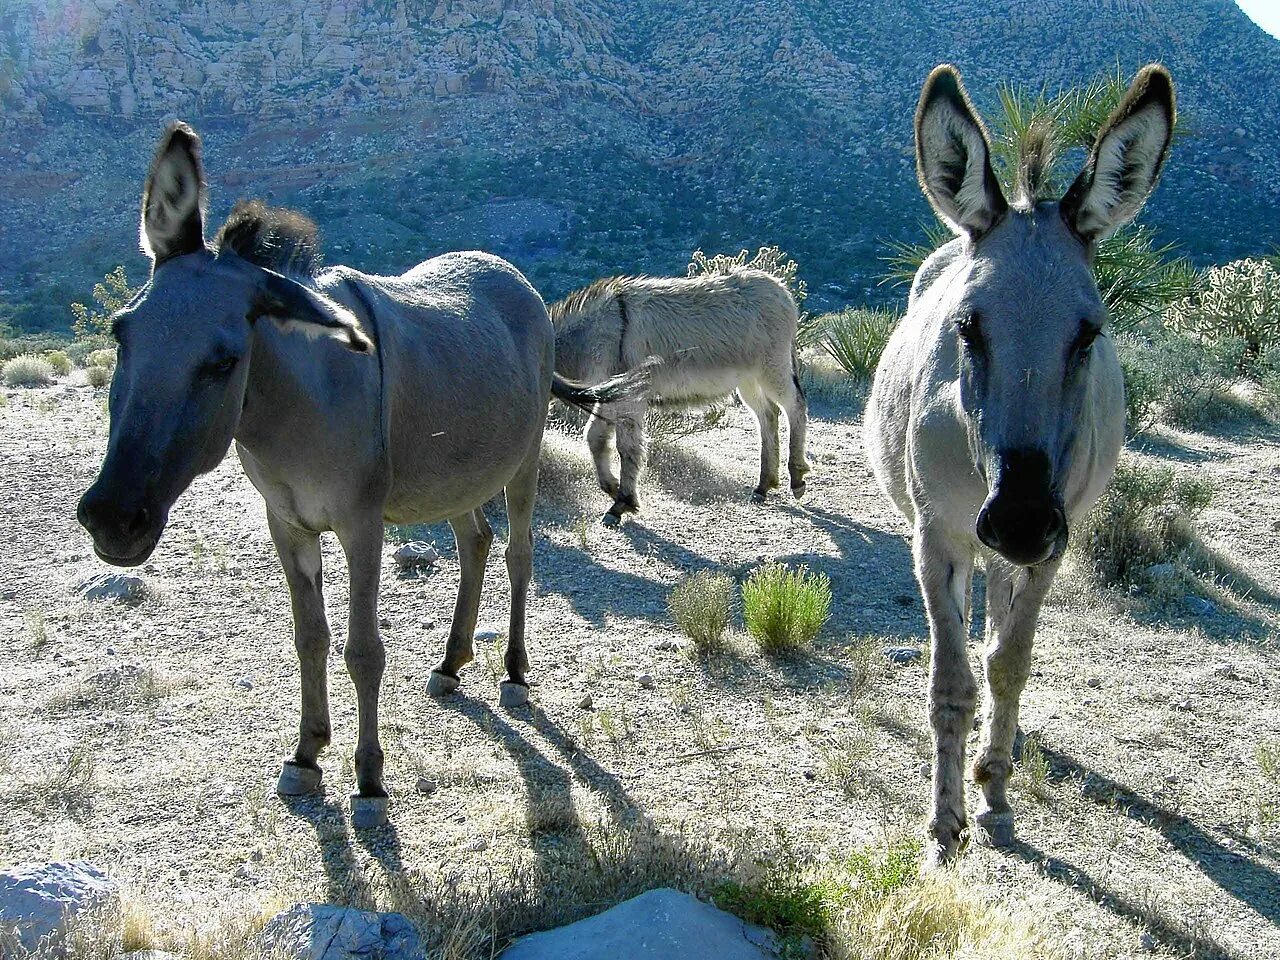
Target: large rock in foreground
(659,925)
(40,901)
(321,931)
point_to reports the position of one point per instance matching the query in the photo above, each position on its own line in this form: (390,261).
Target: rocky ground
(147,737)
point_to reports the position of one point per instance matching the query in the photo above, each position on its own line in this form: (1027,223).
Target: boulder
(40,901)
(415,555)
(322,931)
(658,925)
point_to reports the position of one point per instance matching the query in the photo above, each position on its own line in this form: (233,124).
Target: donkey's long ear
(173,199)
(294,307)
(1126,159)
(953,157)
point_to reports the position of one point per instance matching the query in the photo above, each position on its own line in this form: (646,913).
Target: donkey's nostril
(1057,523)
(987,530)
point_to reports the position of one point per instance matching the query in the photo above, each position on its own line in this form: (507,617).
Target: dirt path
(1144,839)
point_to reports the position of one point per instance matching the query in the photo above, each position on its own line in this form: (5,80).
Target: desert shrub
(667,423)
(59,361)
(109,295)
(784,609)
(1147,514)
(1239,300)
(855,338)
(27,370)
(771,260)
(1172,378)
(700,605)
(98,376)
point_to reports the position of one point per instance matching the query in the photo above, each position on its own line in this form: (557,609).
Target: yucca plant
(855,338)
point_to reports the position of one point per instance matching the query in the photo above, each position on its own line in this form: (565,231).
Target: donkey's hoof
(798,489)
(610,519)
(296,780)
(512,694)
(759,496)
(442,684)
(368,812)
(994,830)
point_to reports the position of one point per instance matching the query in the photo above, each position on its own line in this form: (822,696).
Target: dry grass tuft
(701,606)
(27,370)
(566,476)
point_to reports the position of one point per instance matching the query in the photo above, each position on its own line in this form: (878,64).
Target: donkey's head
(183,357)
(1025,310)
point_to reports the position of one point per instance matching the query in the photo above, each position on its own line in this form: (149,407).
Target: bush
(784,609)
(855,338)
(1239,300)
(110,295)
(1172,378)
(105,357)
(59,361)
(773,261)
(98,376)
(1147,514)
(27,370)
(700,606)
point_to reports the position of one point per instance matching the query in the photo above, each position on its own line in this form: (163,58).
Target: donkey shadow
(345,874)
(1251,883)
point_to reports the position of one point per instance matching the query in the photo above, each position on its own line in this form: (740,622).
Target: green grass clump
(1146,516)
(784,609)
(700,605)
(27,370)
(855,338)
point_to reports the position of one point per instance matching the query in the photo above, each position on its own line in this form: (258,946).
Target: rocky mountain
(579,137)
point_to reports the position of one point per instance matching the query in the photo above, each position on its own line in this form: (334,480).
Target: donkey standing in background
(415,398)
(714,334)
(997,413)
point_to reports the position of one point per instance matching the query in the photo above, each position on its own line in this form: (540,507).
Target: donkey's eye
(970,328)
(218,368)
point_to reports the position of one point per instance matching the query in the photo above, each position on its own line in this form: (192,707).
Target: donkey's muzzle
(124,534)
(1023,519)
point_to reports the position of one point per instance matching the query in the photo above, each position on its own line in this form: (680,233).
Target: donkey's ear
(953,157)
(295,307)
(1126,159)
(173,199)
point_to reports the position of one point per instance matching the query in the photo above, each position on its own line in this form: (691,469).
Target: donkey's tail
(632,385)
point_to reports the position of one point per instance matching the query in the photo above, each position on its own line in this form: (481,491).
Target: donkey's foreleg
(1014,597)
(599,434)
(631,453)
(474,537)
(944,567)
(366,660)
(522,490)
(299,553)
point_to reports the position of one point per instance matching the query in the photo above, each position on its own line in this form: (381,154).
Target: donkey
(415,398)
(997,412)
(714,334)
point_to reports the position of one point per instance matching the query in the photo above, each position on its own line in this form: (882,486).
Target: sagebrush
(27,370)
(784,609)
(701,606)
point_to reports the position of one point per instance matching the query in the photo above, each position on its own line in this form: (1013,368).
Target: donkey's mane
(273,237)
(591,295)
(1037,152)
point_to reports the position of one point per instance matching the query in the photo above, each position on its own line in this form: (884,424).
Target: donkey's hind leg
(522,490)
(631,452)
(474,535)
(766,412)
(299,552)
(599,434)
(1014,597)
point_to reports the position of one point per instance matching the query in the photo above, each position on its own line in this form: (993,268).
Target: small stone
(1200,606)
(811,774)
(1171,778)
(321,931)
(1184,704)
(667,645)
(486,635)
(245,872)
(1148,942)
(1227,671)
(415,555)
(1094,682)
(645,680)
(426,786)
(903,655)
(586,703)
(244,683)
(478,845)
(120,587)
(384,623)
(111,651)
